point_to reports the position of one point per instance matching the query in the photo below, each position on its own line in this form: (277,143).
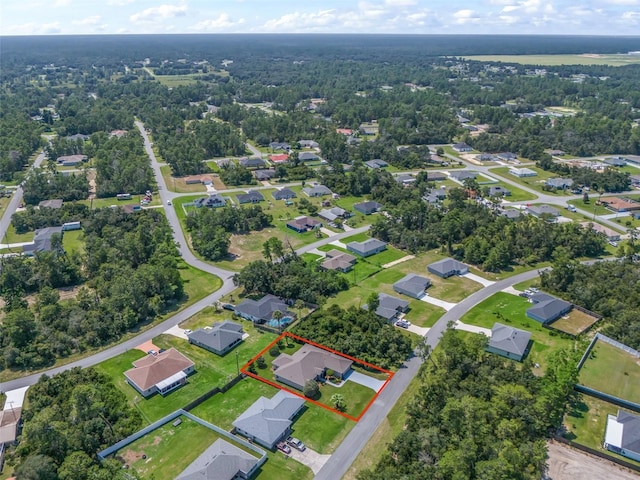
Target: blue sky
(582,17)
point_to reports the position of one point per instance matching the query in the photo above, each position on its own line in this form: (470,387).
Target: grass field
(591,207)
(574,323)
(586,422)
(72,240)
(534,183)
(178,184)
(510,310)
(517,194)
(11,236)
(614,60)
(613,371)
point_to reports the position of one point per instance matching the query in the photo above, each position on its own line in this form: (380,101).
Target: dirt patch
(65,294)
(146,346)
(91,176)
(566,463)
(218,184)
(574,323)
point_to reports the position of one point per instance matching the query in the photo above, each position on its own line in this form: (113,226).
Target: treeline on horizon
(104,48)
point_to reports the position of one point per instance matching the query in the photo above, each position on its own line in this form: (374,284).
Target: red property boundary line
(245,370)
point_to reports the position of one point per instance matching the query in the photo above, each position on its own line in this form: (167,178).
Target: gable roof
(220,336)
(538,210)
(221,461)
(263,308)
(153,369)
(213,200)
(268,419)
(368,206)
(559,182)
(307,363)
(509,339)
(522,171)
(389,306)
(463,174)
(252,162)
(331,213)
(413,283)
(284,193)
(53,203)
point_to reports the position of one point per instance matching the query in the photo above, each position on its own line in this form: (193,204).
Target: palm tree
(277,315)
(338,401)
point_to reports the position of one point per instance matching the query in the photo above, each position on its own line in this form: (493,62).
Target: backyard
(575,322)
(510,310)
(611,370)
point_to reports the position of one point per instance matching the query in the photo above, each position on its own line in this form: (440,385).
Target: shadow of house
(509,342)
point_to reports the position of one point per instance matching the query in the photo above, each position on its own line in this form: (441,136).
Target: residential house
(221,461)
(71,160)
(279,146)
(284,194)
(547,308)
(405,179)
(263,310)
(615,161)
(159,373)
(279,158)
(367,248)
(344,131)
(635,180)
(117,133)
(462,175)
(448,267)
(316,191)
(509,342)
(308,144)
(337,260)
(268,420)
(369,128)
(55,203)
(264,175)
(9,421)
(609,233)
(622,434)
(219,338)
(308,363)
(252,162)
(330,214)
(523,172)
(303,224)
(368,207)
(376,163)
(435,196)
(486,157)
(198,179)
(252,196)
(308,157)
(560,183)
(42,240)
(462,147)
(618,204)
(76,137)
(507,156)
(351,140)
(498,191)
(542,210)
(214,200)
(390,307)
(412,285)
(436,176)
(511,213)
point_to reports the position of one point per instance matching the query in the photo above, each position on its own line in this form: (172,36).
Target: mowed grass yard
(511,310)
(613,371)
(210,371)
(586,421)
(534,183)
(517,194)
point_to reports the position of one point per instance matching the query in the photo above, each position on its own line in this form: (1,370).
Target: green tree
(311,389)
(338,401)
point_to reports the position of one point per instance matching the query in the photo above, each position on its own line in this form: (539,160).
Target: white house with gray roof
(221,461)
(448,267)
(390,307)
(547,308)
(367,248)
(412,285)
(261,311)
(509,342)
(219,339)
(269,420)
(622,435)
(540,210)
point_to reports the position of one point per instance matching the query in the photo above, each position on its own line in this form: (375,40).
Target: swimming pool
(284,321)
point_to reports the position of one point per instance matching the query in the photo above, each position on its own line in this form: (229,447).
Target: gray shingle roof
(221,461)
(250,197)
(284,193)
(547,307)
(263,308)
(307,363)
(630,431)
(447,265)
(415,284)
(42,240)
(220,336)
(463,174)
(367,207)
(369,245)
(509,339)
(316,191)
(268,419)
(389,306)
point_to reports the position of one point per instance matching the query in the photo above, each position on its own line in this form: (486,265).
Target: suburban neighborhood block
(159,373)
(509,342)
(269,420)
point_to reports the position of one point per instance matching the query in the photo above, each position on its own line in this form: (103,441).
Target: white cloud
(296,22)
(89,21)
(32,28)
(119,3)
(61,3)
(632,17)
(224,21)
(465,16)
(400,3)
(155,14)
(623,2)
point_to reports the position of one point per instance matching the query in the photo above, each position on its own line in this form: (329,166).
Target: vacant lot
(511,310)
(566,463)
(574,323)
(614,60)
(613,371)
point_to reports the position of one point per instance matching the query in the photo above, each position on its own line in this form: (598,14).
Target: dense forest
(68,418)
(478,416)
(617,299)
(128,274)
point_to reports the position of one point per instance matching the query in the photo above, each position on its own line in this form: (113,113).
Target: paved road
(15,201)
(254,150)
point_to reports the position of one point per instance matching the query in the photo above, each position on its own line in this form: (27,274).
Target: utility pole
(237,363)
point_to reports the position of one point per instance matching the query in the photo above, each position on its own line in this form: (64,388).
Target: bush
(311,389)
(274,351)
(261,362)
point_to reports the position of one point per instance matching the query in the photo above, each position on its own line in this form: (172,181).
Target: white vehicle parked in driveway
(297,444)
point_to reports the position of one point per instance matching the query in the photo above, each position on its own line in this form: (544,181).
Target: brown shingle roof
(152,369)
(307,363)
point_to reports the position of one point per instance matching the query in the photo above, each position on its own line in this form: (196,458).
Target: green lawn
(11,236)
(178,185)
(510,310)
(534,183)
(168,449)
(586,423)
(423,314)
(517,194)
(110,201)
(613,371)
(590,207)
(359,237)
(197,283)
(73,240)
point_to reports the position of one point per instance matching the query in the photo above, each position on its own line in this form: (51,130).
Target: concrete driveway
(438,303)
(310,458)
(472,328)
(476,278)
(365,380)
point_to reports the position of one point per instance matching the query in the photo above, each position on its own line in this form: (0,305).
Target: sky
(567,17)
